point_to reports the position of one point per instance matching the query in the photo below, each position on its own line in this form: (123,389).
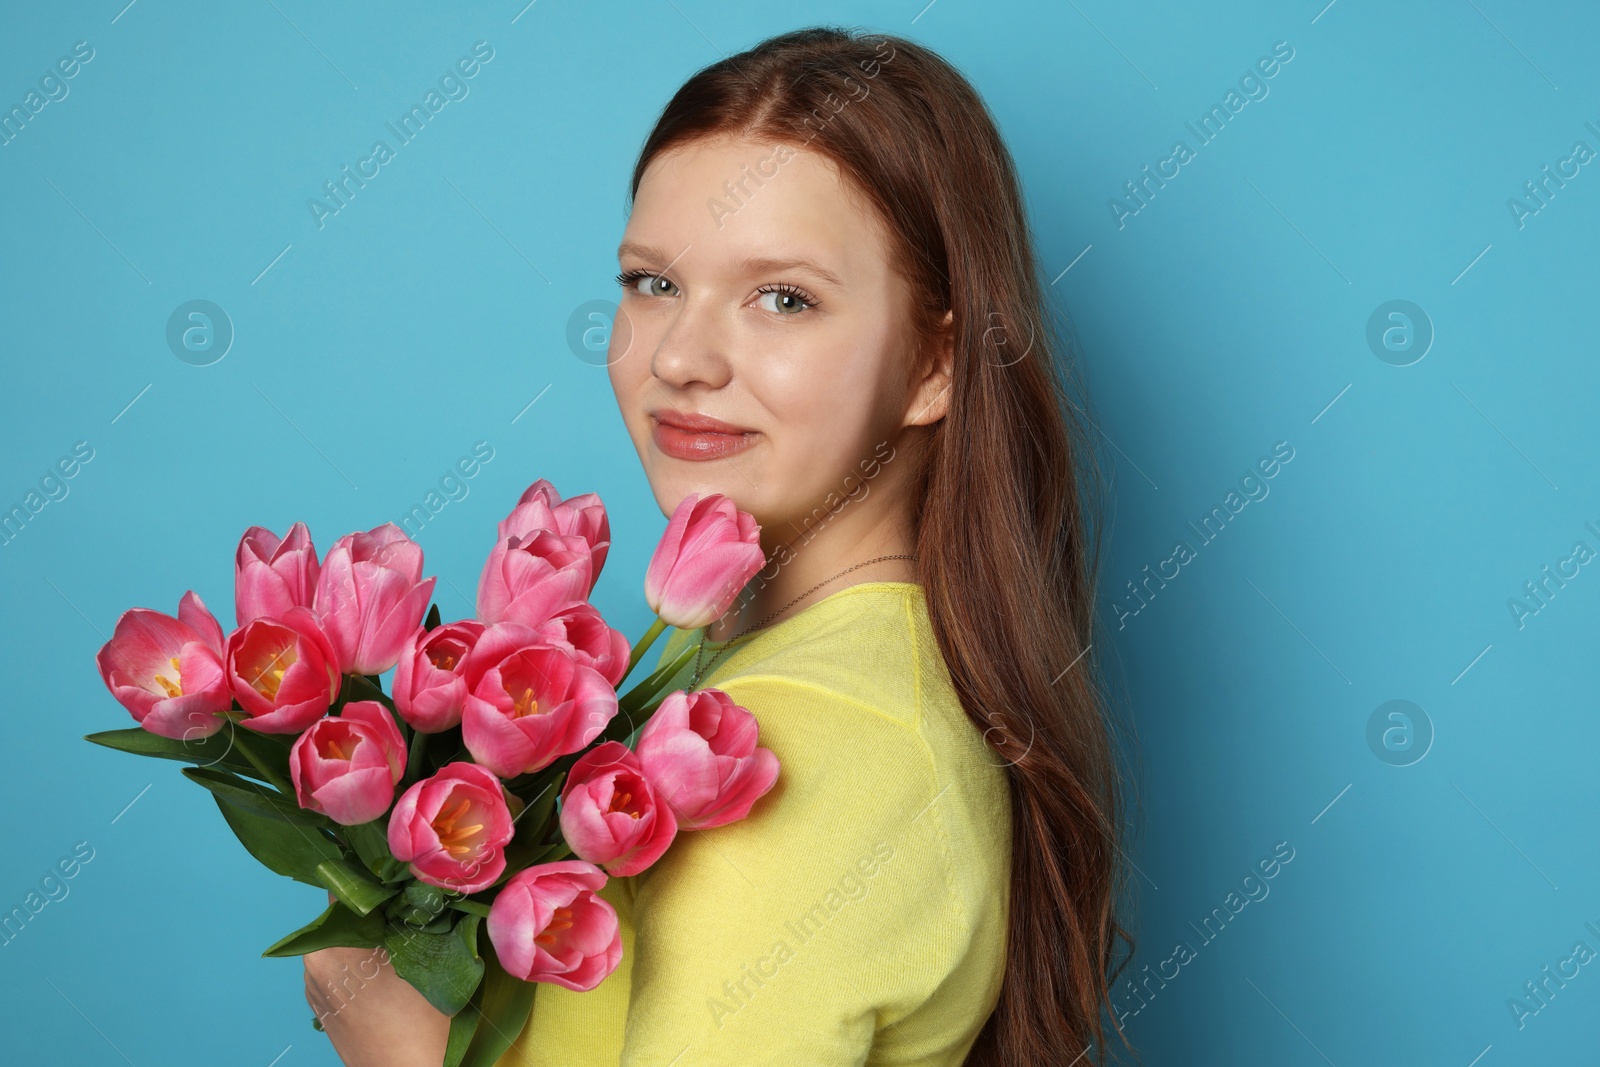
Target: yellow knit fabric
(858,914)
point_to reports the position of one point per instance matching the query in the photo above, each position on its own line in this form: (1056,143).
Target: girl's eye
(786,299)
(634,277)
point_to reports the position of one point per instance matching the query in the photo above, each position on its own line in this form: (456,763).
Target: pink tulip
(453,828)
(346,766)
(371,596)
(430,686)
(168,671)
(271,576)
(529,701)
(699,752)
(610,813)
(548,925)
(709,552)
(284,672)
(541,508)
(583,629)
(530,577)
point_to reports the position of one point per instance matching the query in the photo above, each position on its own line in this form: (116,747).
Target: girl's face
(762,347)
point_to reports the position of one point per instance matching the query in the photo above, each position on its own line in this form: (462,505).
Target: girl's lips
(699,442)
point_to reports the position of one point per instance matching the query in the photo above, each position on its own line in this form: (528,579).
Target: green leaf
(534,820)
(437,750)
(521,855)
(432,621)
(283,848)
(267,754)
(626,719)
(353,885)
(467,929)
(371,842)
(504,1003)
(216,750)
(254,797)
(360,687)
(630,722)
(463,1024)
(552,853)
(428,899)
(338,927)
(445,967)
(421,907)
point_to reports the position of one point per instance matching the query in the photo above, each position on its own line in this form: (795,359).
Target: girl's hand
(372,1015)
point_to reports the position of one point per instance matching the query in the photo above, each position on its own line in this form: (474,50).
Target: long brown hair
(1007,535)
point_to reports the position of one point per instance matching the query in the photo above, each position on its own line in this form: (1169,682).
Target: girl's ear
(930,396)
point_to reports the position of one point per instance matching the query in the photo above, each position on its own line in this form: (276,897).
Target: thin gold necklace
(699,671)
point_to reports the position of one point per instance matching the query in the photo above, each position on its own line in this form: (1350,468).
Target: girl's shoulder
(857,674)
(855,700)
(870,882)
(870,644)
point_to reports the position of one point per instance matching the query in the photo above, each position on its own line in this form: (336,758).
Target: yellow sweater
(858,914)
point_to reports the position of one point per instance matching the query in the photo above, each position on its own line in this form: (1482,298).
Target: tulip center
(445,656)
(526,704)
(270,674)
(174,688)
(343,748)
(454,838)
(619,800)
(561,921)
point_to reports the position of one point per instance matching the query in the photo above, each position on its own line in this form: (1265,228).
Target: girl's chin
(671,486)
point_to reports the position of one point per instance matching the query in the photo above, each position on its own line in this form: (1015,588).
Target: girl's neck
(818,553)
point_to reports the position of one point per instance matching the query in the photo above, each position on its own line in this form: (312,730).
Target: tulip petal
(193,614)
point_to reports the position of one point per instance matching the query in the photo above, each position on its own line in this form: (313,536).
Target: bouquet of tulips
(463,821)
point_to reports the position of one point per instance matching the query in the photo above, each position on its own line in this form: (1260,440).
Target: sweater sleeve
(826,915)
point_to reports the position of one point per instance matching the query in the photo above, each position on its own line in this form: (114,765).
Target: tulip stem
(643,646)
(642,693)
(419,745)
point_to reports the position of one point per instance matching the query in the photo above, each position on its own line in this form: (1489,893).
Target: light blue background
(1227,315)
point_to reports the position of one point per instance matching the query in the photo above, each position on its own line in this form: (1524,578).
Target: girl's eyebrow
(762,265)
(749,265)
